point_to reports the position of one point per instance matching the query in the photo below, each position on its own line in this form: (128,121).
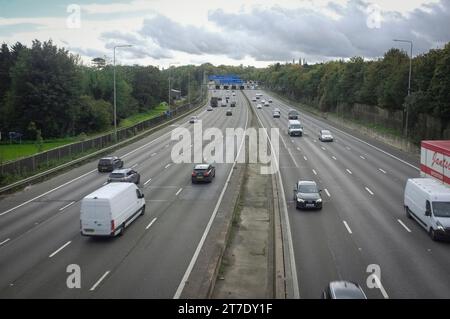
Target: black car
(343,290)
(203,173)
(293,115)
(233,104)
(229,113)
(108,164)
(307,195)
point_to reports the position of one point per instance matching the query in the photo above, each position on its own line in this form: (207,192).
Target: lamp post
(409,78)
(115,106)
(170,88)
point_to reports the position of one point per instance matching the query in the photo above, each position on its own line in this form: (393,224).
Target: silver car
(127,175)
(325,136)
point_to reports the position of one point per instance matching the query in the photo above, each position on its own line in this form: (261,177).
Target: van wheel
(122,230)
(433,234)
(143,210)
(407,212)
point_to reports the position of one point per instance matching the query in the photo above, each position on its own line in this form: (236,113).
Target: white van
(428,202)
(108,210)
(295,128)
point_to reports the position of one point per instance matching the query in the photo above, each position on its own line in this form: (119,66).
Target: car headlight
(300,200)
(319,200)
(439,226)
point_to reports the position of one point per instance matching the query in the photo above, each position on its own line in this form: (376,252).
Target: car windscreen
(105,161)
(326,133)
(348,294)
(441,209)
(307,189)
(296,126)
(117,175)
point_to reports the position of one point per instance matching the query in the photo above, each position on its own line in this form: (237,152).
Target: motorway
(40,235)
(362,222)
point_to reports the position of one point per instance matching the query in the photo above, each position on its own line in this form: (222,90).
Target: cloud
(277,34)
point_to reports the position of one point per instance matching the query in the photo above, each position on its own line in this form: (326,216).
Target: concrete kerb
(54,170)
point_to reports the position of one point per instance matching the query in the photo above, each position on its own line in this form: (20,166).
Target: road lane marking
(5,241)
(348,148)
(305,158)
(149,180)
(167,145)
(167,165)
(370,192)
(134,165)
(333,157)
(179,191)
(404,226)
(328,193)
(153,154)
(62,208)
(59,249)
(151,223)
(380,286)
(349,171)
(293,158)
(105,183)
(99,281)
(323,148)
(298,149)
(46,193)
(348,228)
(314,171)
(382,171)
(362,157)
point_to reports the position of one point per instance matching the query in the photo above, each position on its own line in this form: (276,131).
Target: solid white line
(99,281)
(151,223)
(5,241)
(382,171)
(328,193)
(404,226)
(333,157)
(167,165)
(147,181)
(314,171)
(46,193)
(59,249)
(305,158)
(179,191)
(370,192)
(286,217)
(293,158)
(349,171)
(362,157)
(62,208)
(208,226)
(348,228)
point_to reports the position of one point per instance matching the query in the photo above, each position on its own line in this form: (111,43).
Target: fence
(28,165)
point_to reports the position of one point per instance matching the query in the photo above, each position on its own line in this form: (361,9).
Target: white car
(325,136)
(266,103)
(254,99)
(259,106)
(263,101)
(193,119)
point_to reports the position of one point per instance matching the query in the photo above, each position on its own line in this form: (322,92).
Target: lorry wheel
(407,212)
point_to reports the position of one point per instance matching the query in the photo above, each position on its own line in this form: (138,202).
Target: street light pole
(409,78)
(114,71)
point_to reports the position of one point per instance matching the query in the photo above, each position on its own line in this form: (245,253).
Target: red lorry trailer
(435,160)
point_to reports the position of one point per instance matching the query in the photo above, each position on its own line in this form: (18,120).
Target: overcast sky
(250,32)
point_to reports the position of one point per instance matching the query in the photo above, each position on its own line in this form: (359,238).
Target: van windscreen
(441,209)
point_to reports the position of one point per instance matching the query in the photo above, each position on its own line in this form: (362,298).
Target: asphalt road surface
(39,227)
(362,222)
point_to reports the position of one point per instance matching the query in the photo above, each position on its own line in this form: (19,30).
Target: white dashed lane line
(149,180)
(167,165)
(328,193)
(349,171)
(362,157)
(151,223)
(179,191)
(382,171)
(314,171)
(153,154)
(323,148)
(305,158)
(334,157)
(404,226)
(60,248)
(348,227)
(64,207)
(5,241)
(369,191)
(99,281)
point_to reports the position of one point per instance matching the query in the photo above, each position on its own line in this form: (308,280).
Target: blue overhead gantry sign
(227,80)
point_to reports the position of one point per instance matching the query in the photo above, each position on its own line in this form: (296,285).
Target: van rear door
(95,217)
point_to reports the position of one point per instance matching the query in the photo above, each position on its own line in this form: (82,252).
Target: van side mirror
(428,212)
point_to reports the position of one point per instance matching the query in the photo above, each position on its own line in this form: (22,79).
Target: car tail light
(206,174)
(194,174)
(113,226)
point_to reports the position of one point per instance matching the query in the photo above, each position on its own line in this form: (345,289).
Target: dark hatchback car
(229,113)
(108,164)
(233,104)
(343,290)
(203,173)
(126,175)
(307,195)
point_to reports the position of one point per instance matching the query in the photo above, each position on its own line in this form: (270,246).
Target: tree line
(382,82)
